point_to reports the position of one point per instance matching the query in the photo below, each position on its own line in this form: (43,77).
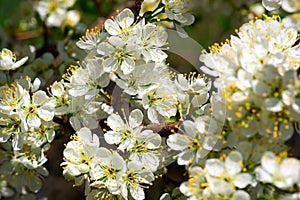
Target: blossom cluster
(258,73)
(131,54)
(228,178)
(26,131)
(111,173)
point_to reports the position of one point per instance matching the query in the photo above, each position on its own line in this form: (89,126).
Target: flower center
(31,109)
(52,6)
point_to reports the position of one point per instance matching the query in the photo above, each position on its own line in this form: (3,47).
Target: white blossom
(124,134)
(8,60)
(146,150)
(54,12)
(193,141)
(121,24)
(117,55)
(109,170)
(282,172)
(133,179)
(80,153)
(271,4)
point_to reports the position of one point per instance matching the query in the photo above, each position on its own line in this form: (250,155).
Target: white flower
(12,125)
(98,191)
(195,186)
(150,40)
(142,78)
(194,142)
(28,165)
(192,92)
(203,185)
(117,54)
(8,60)
(80,153)
(145,150)
(160,103)
(91,39)
(54,12)
(124,134)
(84,113)
(37,108)
(39,136)
(121,24)
(61,98)
(133,179)
(178,10)
(109,170)
(227,173)
(282,172)
(85,79)
(12,99)
(271,4)
(31,159)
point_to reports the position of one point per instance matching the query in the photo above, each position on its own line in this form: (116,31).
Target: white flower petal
(263,175)
(135,118)
(273,104)
(242,180)
(186,157)
(269,162)
(115,122)
(215,167)
(112,137)
(125,18)
(241,194)
(19,63)
(233,162)
(137,193)
(45,114)
(33,121)
(111,27)
(39,97)
(178,142)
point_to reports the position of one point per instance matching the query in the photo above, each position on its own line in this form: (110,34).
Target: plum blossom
(193,141)
(8,60)
(281,172)
(272,4)
(124,134)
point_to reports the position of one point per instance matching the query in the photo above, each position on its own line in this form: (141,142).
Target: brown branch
(137,7)
(28,35)
(164,129)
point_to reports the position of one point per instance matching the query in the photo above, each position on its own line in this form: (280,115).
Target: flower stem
(104,96)
(7,78)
